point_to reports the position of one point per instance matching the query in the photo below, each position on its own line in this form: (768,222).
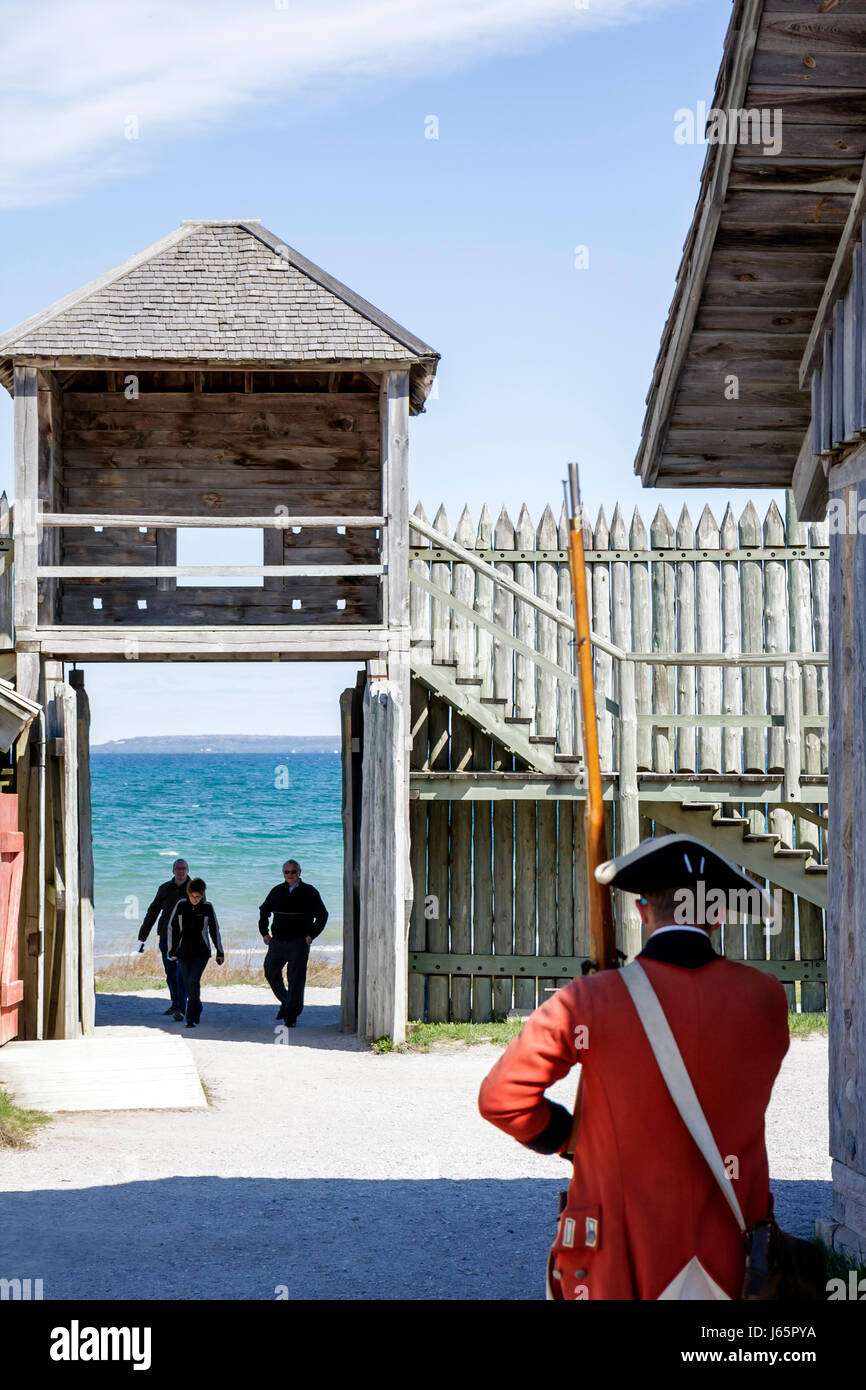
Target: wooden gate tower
(217,379)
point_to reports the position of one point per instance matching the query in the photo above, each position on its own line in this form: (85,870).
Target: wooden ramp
(153,1072)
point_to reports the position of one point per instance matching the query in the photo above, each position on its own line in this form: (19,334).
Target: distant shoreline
(221,743)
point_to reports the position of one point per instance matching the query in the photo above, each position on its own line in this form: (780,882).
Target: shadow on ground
(251,1238)
(246,1238)
(318,1025)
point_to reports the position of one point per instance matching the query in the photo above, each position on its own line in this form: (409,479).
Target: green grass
(424,1037)
(807,1025)
(17,1125)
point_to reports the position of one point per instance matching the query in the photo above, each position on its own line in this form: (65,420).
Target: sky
(500,176)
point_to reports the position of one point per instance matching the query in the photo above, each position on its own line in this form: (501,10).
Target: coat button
(580,1274)
(557,1274)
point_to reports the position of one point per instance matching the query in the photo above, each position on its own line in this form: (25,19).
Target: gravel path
(321,1170)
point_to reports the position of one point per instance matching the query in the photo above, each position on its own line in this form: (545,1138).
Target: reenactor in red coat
(644,1213)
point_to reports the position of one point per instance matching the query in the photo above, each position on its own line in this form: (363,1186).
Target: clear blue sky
(555,130)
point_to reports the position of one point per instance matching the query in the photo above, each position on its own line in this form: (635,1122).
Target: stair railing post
(792,756)
(628,808)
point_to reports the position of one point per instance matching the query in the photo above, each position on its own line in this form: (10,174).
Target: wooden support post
(437,864)
(628,805)
(641,637)
(350,727)
(525,883)
(385,868)
(524,621)
(684,577)
(846,912)
(482,883)
(30,777)
(26,497)
(503,615)
(55,868)
(546,872)
(580,897)
(420,710)
(792,755)
(752,639)
(394,415)
(732,698)
(69,805)
(461,869)
(545,726)
(546,582)
(567,719)
(87,994)
(782,940)
(602,662)
(662,538)
(484,607)
(503,885)
(775,633)
(565,878)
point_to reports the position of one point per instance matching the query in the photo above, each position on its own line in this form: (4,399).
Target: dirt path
(321,1169)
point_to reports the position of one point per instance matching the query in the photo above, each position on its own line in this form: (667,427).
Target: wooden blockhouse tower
(216,379)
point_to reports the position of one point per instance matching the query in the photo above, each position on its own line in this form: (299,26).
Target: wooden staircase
(764,855)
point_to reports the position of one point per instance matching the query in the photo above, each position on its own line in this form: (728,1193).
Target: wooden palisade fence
(497,809)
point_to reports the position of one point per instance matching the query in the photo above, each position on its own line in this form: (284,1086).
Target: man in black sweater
(167,896)
(299,915)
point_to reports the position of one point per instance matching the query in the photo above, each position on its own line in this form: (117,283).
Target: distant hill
(222,743)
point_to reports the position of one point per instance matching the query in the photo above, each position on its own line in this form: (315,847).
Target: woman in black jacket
(192,922)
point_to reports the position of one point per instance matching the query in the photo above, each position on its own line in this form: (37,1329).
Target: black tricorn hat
(673,861)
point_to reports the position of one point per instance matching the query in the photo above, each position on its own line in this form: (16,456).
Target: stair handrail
(495,629)
(548,610)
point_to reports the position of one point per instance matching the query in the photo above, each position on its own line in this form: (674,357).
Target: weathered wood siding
(846,945)
(222,454)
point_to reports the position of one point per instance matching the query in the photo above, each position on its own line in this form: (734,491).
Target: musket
(602,942)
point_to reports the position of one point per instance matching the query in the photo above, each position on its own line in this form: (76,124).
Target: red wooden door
(11,872)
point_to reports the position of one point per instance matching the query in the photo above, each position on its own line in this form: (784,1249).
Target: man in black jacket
(167,896)
(299,915)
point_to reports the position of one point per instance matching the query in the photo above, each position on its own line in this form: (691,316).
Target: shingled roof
(219,292)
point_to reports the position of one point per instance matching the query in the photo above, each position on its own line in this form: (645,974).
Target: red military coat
(642,1198)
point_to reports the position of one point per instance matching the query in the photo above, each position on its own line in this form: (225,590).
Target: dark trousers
(190,973)
(290,956)
(176,987)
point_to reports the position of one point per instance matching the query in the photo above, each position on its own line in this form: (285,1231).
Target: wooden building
(216,379)
(761,381)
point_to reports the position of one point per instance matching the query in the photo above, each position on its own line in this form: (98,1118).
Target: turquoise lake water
(235,817)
